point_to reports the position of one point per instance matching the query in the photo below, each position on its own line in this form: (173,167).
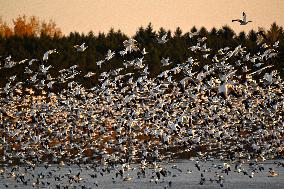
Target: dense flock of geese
(219,111)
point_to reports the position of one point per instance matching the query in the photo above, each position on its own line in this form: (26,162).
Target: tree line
(30,38)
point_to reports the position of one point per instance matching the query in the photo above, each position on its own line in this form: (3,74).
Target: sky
(129,15)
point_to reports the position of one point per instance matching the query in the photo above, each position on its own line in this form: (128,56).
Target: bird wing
(230,74)
(164,37)
(238,20)
(126,43)
(244,17)
(159,40)
(260,70)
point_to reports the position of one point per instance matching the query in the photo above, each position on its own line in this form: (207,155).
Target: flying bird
(163,39)
(109,55)
(81,48)
(243,21)
(47,53)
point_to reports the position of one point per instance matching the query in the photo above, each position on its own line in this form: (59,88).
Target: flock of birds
(219,111)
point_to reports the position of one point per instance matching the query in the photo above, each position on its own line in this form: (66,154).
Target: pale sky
(128,15)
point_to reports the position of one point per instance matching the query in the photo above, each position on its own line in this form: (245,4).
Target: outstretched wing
(244,17)
(260,70)
(236,20)
(164,37)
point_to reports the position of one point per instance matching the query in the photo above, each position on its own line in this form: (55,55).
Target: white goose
(47,53)
(81,48)
(243,21)
(163,39)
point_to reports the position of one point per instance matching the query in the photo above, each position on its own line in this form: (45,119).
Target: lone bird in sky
(243,21)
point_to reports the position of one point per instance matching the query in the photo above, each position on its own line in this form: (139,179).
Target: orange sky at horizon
(129,15)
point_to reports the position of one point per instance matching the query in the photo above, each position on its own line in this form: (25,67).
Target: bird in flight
(80,48)
(243,21)
(47,53)
(163,39)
